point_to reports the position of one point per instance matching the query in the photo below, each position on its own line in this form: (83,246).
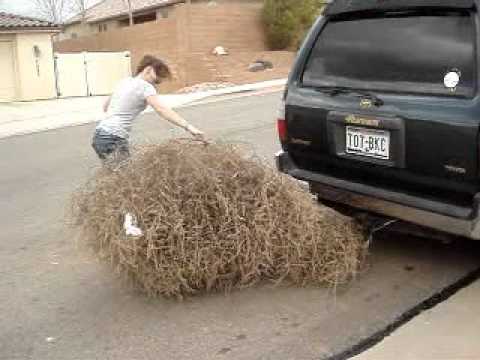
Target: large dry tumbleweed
(213,220)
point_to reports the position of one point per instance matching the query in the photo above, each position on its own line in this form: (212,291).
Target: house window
(140,19)
(163,13)
(74,35)
(124,23)
(102,27)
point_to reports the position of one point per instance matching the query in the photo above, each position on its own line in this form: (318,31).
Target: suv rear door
(423,135)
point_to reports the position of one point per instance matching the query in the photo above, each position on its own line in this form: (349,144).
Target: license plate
(368,142)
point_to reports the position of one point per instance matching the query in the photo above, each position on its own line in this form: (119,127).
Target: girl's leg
(110,148)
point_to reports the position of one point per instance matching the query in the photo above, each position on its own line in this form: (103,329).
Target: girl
(129,99)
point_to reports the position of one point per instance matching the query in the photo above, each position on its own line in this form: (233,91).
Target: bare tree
(79,7)
(51,10)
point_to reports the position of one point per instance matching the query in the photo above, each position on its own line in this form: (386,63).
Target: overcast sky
(24,7)
(16,6)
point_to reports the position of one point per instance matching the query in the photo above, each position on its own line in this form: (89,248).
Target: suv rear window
(409,53)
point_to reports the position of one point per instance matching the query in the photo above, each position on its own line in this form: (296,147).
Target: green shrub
(287,21)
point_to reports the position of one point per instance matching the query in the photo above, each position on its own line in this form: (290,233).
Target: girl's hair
(161,69)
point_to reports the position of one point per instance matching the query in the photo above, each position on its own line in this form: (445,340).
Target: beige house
(27,69)
(114,14)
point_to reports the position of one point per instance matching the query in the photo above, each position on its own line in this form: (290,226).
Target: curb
(173,100)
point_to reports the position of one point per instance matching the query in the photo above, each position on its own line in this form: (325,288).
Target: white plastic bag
(130,226)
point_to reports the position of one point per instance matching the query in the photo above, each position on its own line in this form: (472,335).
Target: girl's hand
(197,134)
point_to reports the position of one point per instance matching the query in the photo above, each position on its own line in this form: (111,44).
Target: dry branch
(214,220)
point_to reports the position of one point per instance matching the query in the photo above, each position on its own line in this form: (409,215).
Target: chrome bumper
(439,216)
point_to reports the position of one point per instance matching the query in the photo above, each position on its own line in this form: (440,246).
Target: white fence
(90,73)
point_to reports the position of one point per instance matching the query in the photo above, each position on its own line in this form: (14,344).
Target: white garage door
(7,72)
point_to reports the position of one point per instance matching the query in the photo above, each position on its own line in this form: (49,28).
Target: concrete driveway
(58,302)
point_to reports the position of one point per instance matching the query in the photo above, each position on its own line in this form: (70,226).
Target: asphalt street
(58,303)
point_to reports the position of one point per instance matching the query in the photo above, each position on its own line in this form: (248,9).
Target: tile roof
(114,8)
(13,22)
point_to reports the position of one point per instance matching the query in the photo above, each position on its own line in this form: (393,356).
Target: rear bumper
(436,215)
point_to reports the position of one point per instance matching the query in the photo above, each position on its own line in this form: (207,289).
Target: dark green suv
(382,111)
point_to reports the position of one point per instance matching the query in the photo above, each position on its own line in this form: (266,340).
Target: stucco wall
(79,29)
(7,37)
(110,24)
(36,75)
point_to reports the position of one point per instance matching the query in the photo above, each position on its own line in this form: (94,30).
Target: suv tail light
(282,123)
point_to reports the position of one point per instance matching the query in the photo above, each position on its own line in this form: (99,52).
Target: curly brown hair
(161,69)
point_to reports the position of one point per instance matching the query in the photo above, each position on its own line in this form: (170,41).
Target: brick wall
(185,40)
(236,26)
(156,38)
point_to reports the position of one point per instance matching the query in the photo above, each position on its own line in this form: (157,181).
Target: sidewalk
(21,118)
(449,331)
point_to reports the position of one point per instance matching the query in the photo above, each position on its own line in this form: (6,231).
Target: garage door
(7,72)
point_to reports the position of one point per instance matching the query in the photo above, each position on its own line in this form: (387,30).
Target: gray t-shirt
(126,103)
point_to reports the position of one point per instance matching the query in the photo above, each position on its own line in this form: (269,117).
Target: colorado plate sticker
(451,79)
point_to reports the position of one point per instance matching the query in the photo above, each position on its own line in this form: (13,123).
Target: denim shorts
(108,146)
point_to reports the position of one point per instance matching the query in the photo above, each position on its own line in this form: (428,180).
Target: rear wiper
(334,91)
